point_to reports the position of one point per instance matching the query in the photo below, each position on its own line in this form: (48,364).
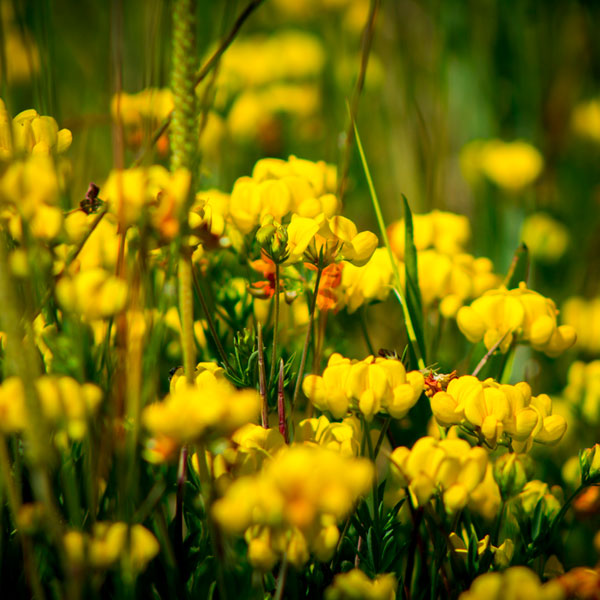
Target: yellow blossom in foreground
(494,411)
(369,386)
(210,408)
(451,466)
(355,585)
(512,584)
(109,543)
(293,504)
(501,315)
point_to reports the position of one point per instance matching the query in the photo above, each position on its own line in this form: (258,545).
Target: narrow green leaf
(397,287)
(413,291)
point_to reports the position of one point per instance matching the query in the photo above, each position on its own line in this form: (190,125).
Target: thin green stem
(262,379)
(367,40)
(281,578)
(311,319)
(210,321)
(365,331)
(275,324)
(397,282)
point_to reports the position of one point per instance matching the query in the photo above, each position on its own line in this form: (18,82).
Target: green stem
(210,321)
(307,339)
(397,282)
(372,456)
(365,331)
(275,325)
(281,578)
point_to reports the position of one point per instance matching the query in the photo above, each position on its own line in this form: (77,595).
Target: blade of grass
(413,291)
(410,329)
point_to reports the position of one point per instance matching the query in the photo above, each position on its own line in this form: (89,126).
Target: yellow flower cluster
(109,543)
(66,404)
(546,238)
(134,193)
(352,13)
(278,187)
(510,165)
(583,390)
(496,410)
(262,78)
(367,386)
(447,273)
(451,467)
(209,409)
(355,585)
(148,106)
(93,294)
(30,133)
(585,120)
(584,316)
(446,232)
(29,195)
(501,316)
(512,584)
(344,437)
(363,284)
(142,113)
(292,506)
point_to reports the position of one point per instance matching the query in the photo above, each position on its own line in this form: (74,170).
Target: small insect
(91,203)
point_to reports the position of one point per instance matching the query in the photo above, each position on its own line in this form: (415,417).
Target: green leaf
(413,291)
(519,268)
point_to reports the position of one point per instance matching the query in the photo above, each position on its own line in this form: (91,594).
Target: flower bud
(589,461)
(509,473)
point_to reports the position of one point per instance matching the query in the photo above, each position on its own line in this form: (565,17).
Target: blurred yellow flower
(355,585)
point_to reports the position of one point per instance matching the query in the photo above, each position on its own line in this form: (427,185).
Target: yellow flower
(512,584)
(361,285)
(31,134)
(209,409)
(94,294)
(450,466)
(546,238)
(510,165)
(344,437)
(110,542)
(584,316)
(585,120)
(355,585)
(501,315)
(327,392)
(299,495)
